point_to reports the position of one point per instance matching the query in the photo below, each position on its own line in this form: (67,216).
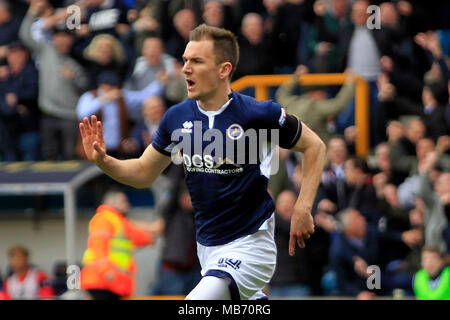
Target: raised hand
(350,76)
(93,142)
(301,70)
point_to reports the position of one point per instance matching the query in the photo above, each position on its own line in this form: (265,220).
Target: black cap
(108,77)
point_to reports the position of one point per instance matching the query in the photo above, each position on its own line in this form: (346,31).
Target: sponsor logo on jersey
(187,127)
(233,263)
(223,152)
(235,131)
(205,164)
(226,161)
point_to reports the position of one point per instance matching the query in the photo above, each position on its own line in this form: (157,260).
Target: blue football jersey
(226,157)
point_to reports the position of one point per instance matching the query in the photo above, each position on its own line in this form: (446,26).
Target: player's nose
(187,68)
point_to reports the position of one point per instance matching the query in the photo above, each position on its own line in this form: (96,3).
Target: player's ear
(225,69)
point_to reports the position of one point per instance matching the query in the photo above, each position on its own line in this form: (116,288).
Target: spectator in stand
(409,188)
(331,194)
(403,139)
(108,263)
(435,198)
(184,21)
(397,93)
(216,13)
(361,50)
(409,145)
(144,131)
(9,28)
(152,62)
(47,18)
(382,165)
(313,107)
(352,251)
(271,8)
(410,164)
(360,192)
(430,42)
(400,237)
(402,144)
(333,178)
(400,89)
(291,277)
(26,281)
(288,32)
(179,271)
(146,24)
(434,98)
(407,83)
(433,281)
(19,112)
(114,106)
(396,23)
(103,16)
(323,36)
(255,55)
(61,81)
(105,53)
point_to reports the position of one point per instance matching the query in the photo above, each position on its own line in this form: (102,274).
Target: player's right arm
(138,173)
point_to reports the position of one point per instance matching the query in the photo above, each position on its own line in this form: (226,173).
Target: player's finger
(94,124)
(307,236)
(87,125)
(300,242)
(292,241)
(99,130)
(82,130)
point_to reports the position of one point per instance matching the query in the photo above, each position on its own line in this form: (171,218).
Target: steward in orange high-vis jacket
(108,263)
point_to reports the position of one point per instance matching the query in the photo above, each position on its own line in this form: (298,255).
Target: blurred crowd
(123,63)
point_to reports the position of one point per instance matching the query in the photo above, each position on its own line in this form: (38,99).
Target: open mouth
(190,84)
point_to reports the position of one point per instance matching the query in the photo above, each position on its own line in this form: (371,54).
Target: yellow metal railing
(263,82)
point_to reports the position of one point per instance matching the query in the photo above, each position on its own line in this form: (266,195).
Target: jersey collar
(221,109)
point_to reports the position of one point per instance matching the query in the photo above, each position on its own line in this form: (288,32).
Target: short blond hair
(118,52)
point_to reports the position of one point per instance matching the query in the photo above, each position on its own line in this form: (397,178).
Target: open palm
(92,137)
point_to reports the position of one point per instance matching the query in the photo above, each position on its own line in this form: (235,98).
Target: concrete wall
(47,245)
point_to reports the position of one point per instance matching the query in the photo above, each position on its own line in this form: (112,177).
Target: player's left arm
(314,155)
